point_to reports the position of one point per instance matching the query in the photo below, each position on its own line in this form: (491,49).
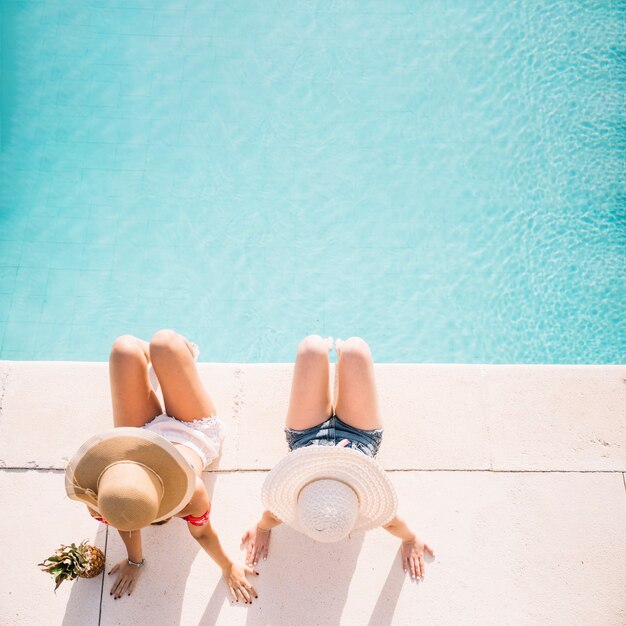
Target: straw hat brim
(132,444)
(378,502)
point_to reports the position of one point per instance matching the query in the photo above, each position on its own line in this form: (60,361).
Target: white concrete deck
(513,473)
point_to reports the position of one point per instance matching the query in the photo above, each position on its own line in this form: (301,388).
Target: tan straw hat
(327,492)
(131,476)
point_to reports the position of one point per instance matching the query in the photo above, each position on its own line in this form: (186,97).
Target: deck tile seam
(106,543)
(256,470)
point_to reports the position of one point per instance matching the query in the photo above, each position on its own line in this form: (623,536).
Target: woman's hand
(127,577)
(258,544)
(240,588)
(413,556)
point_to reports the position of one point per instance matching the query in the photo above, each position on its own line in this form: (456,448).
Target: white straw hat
(327,492)
(131,476)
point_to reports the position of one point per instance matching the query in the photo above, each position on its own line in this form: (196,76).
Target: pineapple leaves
(69,562)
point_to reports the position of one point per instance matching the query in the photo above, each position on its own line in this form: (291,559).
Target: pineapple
(68,562)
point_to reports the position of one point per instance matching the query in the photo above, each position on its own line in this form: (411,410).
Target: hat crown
(327,510)
(291,477)
(129,495)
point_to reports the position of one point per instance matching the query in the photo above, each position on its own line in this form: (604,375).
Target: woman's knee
(312,347)
(356,350)
(127,348)
(165,342)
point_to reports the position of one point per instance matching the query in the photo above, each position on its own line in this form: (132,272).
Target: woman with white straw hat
(330,484)
(148,468)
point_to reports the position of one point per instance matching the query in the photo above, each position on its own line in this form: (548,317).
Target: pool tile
(97,128)
(83,333)
(105,94)
(131,157)
(101,209)
(102,231)
(157,184)
(70,16)
(63,282)
(93,281)
(98,182)
(168,22)
(26,308)
(132,232)
(196,133)
(134,131)
(97,257)
(40,229)
(10,253)
(6,301)
(85,312)
(32,280)
(12,226)
(122,309)
(20,337)
(128,184)
(52,337)
(71,230)
(8,278)
(130,259)
(201,23)
(124,21)
(52,255)
(57,308)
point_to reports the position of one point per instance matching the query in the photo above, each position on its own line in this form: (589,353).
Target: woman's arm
(234,575)
(258,537)
(268,521)
(412,547)
(132,541)
(398,528)
(127,572)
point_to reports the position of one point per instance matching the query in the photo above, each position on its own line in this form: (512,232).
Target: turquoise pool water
(445,178)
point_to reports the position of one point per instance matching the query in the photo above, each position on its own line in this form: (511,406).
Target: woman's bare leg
(310,403)
(357,400)
(134,400)
(183,393)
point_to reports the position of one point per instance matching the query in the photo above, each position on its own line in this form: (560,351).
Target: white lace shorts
(203,436)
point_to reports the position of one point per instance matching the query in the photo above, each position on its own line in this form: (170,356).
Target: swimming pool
(443,178)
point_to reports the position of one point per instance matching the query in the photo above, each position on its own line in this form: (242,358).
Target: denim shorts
(331,432)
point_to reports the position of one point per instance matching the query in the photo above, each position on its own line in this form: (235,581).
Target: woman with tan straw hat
(148,468)
(330,484)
